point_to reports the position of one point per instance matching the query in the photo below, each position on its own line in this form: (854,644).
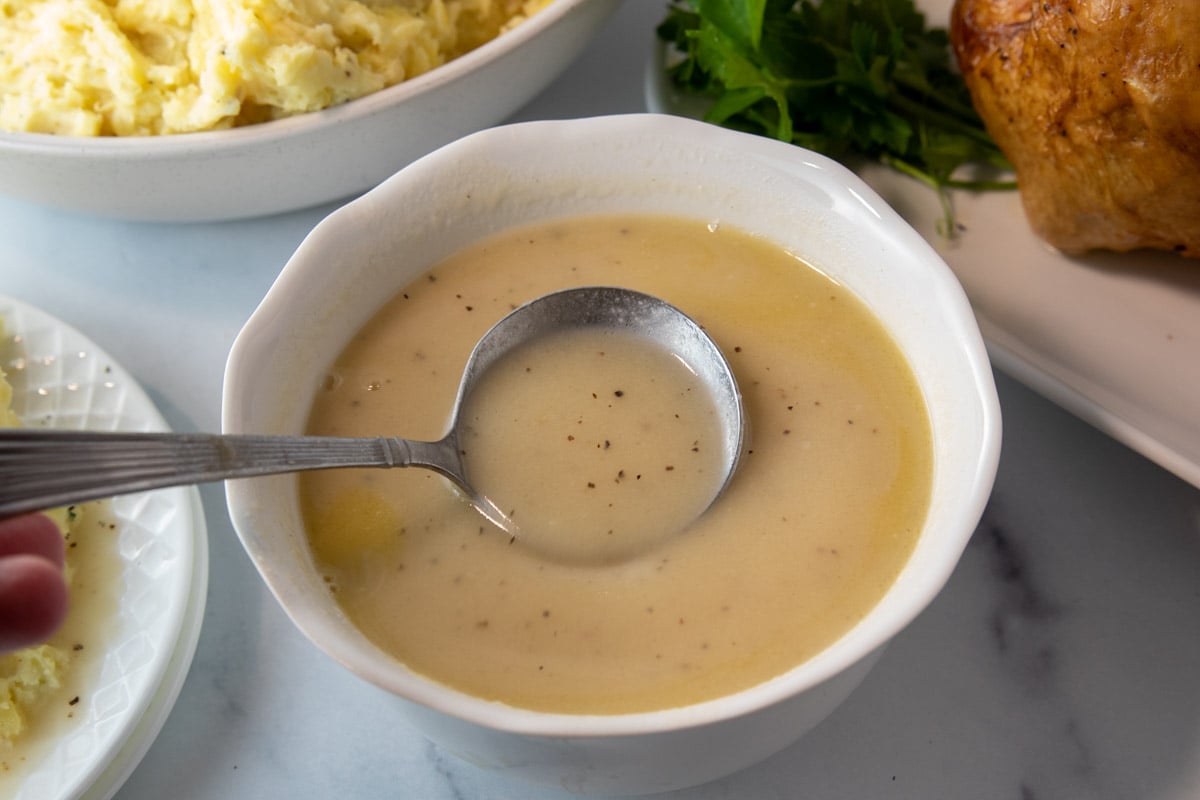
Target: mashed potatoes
(8,417)
(140,67)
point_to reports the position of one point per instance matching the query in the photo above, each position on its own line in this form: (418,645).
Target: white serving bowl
(304,160)
(364,253)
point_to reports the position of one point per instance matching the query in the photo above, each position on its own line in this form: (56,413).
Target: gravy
(829,499)
(595,443)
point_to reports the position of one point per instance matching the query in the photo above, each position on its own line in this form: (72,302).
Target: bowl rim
(304,124)
(849,649)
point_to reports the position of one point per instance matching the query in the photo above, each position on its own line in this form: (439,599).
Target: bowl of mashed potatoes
(182,111)
(672,659)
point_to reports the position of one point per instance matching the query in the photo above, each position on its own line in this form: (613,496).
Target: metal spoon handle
(42,469)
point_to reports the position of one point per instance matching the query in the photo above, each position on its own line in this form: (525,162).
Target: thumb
(33,600)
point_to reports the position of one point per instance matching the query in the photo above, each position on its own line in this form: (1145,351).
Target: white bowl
(304,160)
(507,176)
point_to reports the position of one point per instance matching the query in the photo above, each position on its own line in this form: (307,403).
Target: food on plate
(42,687)
(1097,105)
(848,78)
(826,507)
(8,417)
(139,67)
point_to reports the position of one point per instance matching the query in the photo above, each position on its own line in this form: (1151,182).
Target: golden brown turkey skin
(1097,105)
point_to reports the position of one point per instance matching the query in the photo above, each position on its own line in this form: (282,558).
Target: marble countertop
(1061,661)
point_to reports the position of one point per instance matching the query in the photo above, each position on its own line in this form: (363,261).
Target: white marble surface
(1062,661)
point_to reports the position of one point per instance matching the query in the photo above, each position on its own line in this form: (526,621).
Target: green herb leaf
(862,78)
(740,19)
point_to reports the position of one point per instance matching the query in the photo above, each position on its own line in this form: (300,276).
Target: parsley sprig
(846,78)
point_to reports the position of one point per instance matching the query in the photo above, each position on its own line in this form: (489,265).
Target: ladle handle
(42,469)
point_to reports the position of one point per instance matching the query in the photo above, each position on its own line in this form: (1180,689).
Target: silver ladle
(41,469)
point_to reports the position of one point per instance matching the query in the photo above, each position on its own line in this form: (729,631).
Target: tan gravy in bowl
(598,443)
(826,507)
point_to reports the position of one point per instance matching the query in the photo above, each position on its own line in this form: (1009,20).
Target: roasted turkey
(1097,105)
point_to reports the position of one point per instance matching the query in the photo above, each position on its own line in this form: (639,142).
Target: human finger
(33,600)
(33,534)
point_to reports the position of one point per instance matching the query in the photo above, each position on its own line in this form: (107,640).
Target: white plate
(62,380)
(1114,338)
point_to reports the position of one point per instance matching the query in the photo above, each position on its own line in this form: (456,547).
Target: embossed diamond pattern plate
(62,380)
